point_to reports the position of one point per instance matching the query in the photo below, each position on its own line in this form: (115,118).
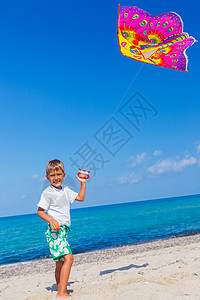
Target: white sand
(168,269)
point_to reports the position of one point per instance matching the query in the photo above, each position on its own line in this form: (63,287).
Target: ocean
(22,237)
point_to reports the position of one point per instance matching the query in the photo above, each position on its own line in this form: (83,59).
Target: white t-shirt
(56,202)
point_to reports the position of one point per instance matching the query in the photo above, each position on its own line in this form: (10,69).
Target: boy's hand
(81,178)
(54,225)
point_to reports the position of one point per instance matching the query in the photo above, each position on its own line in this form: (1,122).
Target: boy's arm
(81,195)
(54,224)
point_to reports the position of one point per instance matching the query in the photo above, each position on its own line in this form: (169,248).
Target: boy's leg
(64,276)
(57,272)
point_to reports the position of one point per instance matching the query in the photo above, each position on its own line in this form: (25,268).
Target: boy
(56,200)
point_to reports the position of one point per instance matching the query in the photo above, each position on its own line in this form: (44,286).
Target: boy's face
(56,178)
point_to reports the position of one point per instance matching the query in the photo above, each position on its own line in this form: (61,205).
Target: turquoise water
(22,237)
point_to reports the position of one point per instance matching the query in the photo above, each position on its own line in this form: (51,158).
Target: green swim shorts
(57,241)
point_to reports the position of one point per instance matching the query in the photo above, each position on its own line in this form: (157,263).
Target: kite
(157,40)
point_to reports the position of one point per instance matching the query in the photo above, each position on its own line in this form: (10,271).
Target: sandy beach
(166,269)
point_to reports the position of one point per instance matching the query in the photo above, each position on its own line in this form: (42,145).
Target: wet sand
(165,269)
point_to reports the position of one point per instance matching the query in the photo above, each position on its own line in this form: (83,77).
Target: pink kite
(157,40)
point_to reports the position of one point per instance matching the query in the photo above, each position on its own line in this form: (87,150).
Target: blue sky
(62,77)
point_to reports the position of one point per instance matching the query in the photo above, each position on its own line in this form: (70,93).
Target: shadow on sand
(122,269)
(53,288)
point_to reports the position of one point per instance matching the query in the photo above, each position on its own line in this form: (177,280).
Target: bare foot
(65,296)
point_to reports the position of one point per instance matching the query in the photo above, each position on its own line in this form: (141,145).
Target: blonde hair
(54,164)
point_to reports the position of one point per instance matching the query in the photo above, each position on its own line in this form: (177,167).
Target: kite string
(106,125)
